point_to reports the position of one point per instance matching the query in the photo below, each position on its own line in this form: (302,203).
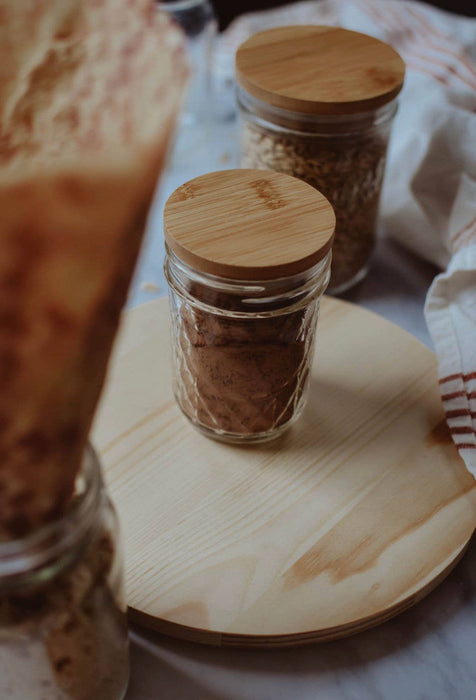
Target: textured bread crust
(89,90)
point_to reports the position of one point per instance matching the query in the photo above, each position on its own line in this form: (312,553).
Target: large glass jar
(248,259)
(318,103)
(63,629)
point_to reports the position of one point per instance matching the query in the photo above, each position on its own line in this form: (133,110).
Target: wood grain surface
(249,224)
(352,516)
(319,69)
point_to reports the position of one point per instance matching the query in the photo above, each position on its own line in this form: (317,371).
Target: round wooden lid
(248,224)
(319,70)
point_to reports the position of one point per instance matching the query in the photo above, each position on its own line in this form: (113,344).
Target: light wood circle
(249,224)
(319,70)
(351,517)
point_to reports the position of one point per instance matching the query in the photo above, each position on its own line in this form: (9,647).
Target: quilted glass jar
(248,259)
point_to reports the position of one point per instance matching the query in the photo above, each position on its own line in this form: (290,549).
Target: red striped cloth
(429,197)
(460,390)
(451,316)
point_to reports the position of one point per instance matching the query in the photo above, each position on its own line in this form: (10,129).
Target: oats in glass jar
(317,103)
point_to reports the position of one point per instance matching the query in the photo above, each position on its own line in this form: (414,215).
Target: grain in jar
(318,103)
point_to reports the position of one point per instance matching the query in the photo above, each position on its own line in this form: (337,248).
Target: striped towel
(429,196)
(451,317)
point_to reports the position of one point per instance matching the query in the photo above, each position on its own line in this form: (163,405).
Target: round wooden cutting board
(349,518)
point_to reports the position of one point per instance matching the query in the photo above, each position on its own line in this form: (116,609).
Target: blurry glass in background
(198,21)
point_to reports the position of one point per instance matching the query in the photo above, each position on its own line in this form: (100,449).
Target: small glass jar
(197,20)
(243,340)
(63,628)
(330,130)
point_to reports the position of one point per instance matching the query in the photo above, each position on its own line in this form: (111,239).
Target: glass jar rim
(343,124)
(51,541)
(180,5)
(296,290)
(232,284)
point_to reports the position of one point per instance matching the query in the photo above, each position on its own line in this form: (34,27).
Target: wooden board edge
(287,641)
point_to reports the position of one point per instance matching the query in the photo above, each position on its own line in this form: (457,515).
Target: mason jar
(248,259)
(63,629)
(318,103)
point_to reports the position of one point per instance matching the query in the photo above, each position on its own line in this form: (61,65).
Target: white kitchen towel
(429,195)
(451,316)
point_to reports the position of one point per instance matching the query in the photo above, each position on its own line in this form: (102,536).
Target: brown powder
(240,375)
(67,640)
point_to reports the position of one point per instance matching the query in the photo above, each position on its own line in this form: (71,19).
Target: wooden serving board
(349,518)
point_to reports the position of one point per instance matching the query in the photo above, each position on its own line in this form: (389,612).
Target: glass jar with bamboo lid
(318,102)
(248,259)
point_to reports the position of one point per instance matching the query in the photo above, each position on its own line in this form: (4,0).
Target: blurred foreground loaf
(89,91)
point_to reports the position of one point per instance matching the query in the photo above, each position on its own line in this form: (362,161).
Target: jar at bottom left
(63,626)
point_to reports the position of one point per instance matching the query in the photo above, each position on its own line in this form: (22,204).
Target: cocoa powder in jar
(248,258)
(240,375)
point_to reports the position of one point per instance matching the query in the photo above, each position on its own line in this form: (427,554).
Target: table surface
(428,652)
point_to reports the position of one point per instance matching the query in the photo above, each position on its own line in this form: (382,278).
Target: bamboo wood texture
(349,518)
(249,224)
(319,70)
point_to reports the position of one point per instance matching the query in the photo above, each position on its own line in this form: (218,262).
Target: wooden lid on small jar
(319,70)
(248,224)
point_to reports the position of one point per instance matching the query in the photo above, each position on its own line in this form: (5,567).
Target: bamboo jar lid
(248,224)
(319,70)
